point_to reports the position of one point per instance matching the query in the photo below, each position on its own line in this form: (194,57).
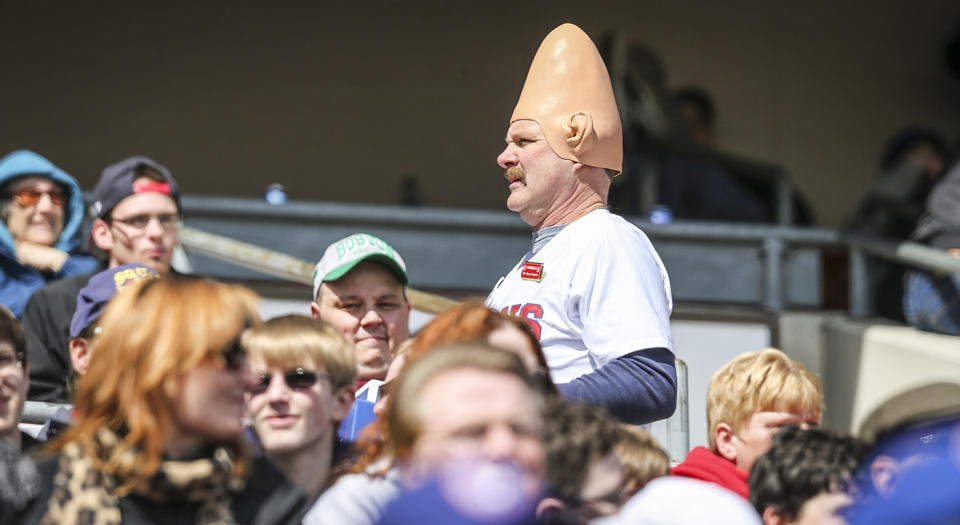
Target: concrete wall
(338,100)
(866,364)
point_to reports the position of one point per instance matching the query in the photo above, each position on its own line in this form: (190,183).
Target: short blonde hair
(762,381)
(285,342)
(642,458)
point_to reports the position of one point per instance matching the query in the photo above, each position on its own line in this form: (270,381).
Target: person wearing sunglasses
(136,207)
(305,372)
(159,428)
(41,214)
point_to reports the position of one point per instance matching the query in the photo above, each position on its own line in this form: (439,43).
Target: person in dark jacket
(129,195)
(911,164)
(931,300)
(41,216)
(159,431)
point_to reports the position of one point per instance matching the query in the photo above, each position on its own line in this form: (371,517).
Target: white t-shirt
(355,499)
(602,293)
(674,500)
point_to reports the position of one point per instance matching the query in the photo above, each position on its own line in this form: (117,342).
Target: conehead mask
(568,93)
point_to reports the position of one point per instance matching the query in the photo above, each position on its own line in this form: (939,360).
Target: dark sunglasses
(296,379)
(29,197)
(234,355)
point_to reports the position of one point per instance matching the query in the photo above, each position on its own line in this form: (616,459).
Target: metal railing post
(39,412)
(649,189)
(859,283)
(784,200)
(773,253)
(678,425)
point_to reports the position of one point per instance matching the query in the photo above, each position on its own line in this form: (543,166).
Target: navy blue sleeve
(637,388)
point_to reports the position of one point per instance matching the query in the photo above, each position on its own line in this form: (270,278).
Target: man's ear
(771,517)
(580,134)
(26,382)
(883,474)
(100,231)
(723,436)
(314,310)
(79,355)
(342,401)
(549,509)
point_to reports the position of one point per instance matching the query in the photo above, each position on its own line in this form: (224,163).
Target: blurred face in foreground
(209,405)
(511,339)
(826,508)
(478,414)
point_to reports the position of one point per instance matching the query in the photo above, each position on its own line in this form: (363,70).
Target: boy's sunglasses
(296,379)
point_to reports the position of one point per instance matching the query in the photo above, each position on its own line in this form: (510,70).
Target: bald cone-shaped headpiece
(568,93)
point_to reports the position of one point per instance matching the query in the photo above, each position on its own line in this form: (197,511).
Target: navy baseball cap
(117,183)
(93,297)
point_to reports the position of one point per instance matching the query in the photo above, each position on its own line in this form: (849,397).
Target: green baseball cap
(341,256)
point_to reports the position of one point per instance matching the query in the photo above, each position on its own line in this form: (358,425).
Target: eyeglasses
(234,355)
(296,379)
(30,197)
(168,221)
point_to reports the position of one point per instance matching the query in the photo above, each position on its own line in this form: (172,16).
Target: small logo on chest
(532,271)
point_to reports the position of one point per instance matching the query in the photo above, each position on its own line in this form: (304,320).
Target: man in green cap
(358,287)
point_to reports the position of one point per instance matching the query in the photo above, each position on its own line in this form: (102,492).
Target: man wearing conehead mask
(592,287)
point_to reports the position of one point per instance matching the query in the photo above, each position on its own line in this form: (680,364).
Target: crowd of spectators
(470,428)
(186,407)
(469,425)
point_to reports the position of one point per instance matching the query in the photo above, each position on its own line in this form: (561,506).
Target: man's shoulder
(603,225)
(667,500)
(58,296)
(355,498)
(603,232)
(61,287)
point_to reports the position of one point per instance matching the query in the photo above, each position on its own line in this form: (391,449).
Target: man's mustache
(515,173)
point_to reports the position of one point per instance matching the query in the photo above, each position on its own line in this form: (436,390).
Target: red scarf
(704,465)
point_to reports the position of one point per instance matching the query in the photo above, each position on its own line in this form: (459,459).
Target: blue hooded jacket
(17,281)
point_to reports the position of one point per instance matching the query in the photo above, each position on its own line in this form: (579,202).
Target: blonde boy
(307,372)
(748,400)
